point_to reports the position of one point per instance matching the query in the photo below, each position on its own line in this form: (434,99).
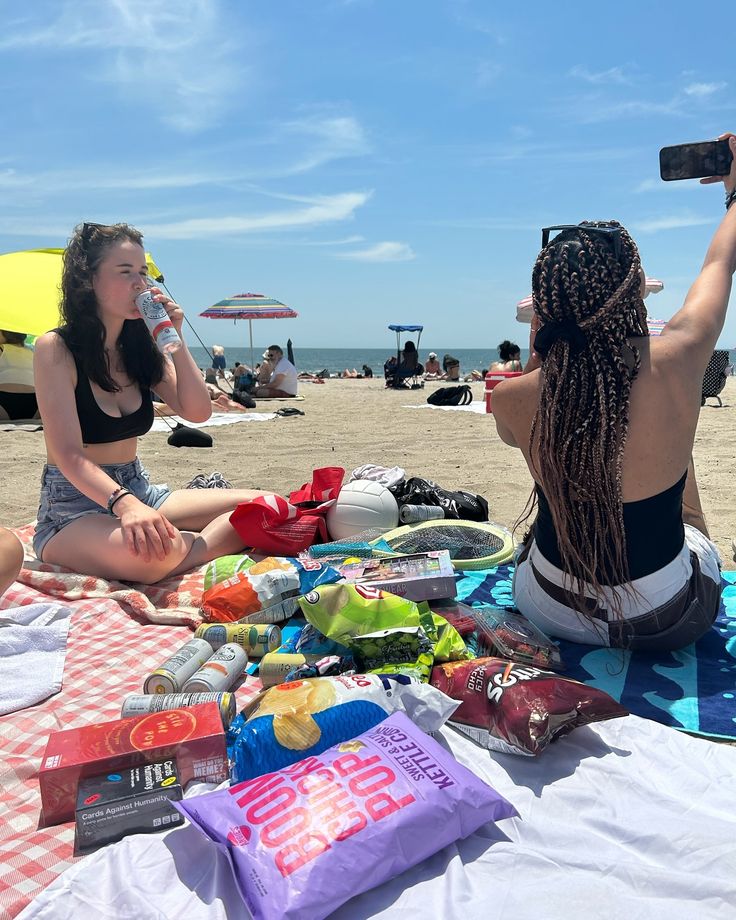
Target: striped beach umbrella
(250,307)
(525,307)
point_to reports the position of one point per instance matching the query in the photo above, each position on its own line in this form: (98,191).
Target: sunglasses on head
(611,233)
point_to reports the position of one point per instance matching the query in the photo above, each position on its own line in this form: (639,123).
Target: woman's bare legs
(11,559)
(692,510)
(207,513)
(94,545)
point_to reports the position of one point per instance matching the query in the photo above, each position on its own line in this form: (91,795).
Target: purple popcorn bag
(384,801)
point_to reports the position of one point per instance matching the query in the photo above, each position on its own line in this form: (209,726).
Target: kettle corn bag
(303,840)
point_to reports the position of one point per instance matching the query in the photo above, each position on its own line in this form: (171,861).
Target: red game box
(194,736)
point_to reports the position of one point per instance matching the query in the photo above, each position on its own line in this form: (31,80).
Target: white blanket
(32,652)
(217,418)
(624,820)
(479,407)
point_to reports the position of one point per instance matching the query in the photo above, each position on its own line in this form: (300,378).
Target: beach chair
(405,371)
(714,378)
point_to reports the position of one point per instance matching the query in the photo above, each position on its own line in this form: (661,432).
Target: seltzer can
(256,638)
(139,704)
(175,671)
(220,672)
(157,320)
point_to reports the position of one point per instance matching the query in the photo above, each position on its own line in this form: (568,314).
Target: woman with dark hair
(98,512)
(606,419)
(509,357)
(17,393)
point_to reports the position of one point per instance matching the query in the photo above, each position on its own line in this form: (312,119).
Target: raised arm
(695,328)
(182,386)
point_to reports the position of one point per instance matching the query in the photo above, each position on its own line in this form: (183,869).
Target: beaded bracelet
(115,497)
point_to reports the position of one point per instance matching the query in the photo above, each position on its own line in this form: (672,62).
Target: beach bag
(451,396)
(458,505)
(280,527)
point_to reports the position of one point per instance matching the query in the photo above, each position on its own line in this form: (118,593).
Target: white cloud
(334,138)
(175,49)
(382,252)
(703,89)
(614,75)
(325,209)
(672,222)
(316,211)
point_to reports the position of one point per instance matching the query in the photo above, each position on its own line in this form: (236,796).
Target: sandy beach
(351,422)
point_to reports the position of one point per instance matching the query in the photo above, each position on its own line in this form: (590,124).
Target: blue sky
(364,161)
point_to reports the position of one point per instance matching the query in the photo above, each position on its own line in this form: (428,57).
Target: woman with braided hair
(605,416)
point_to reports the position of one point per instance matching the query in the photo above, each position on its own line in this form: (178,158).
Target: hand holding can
(158,321)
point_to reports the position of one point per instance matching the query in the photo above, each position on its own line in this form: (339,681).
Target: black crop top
(100,428)
(653,527)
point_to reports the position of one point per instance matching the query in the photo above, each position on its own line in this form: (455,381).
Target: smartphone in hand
(695,161)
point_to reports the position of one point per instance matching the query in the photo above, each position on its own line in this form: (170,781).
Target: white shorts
(668,609)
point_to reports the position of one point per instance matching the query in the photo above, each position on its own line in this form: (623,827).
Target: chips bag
(304,717)
(262,592)
(350,614)
(519,709)
(305,839)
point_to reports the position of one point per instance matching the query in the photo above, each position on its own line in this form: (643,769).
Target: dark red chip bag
(516,708)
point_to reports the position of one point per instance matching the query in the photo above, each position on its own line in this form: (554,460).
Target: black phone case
(695,161)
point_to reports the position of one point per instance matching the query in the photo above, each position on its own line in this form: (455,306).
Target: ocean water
(338,359)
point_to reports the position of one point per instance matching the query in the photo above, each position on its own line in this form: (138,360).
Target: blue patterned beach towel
(693,689)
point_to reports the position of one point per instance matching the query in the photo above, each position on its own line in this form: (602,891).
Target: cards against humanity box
(194,737)
(134,801)
(416,576)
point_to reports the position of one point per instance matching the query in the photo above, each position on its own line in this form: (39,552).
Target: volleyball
(362,504)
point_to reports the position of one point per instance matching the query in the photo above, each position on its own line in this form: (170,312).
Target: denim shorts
(61,502)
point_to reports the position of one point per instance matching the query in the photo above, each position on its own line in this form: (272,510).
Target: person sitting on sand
(283,380)
(367,371)
(509,355)
(606,416)
(11,559)
(432,369)
(17,392)
(451,368)
(99,514)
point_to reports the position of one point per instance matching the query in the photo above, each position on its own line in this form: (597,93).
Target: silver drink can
(139,705)
(412,514)
(220,672)
(159,325)
(256,638)
(175,671)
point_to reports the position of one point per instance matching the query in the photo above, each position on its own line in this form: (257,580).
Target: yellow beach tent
(30,289)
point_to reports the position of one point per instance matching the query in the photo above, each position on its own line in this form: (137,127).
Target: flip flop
(289,410)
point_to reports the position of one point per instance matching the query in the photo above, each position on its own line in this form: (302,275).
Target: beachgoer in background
(451,368)
(17,392)
(432,369)
(219,363)
(509,355)
(367,371)
(409,365)
(283,379)
(606,419)
(98,513)
(350,373)
(11,559)
(210,375)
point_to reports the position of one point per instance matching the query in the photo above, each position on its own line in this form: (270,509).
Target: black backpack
(451,396)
